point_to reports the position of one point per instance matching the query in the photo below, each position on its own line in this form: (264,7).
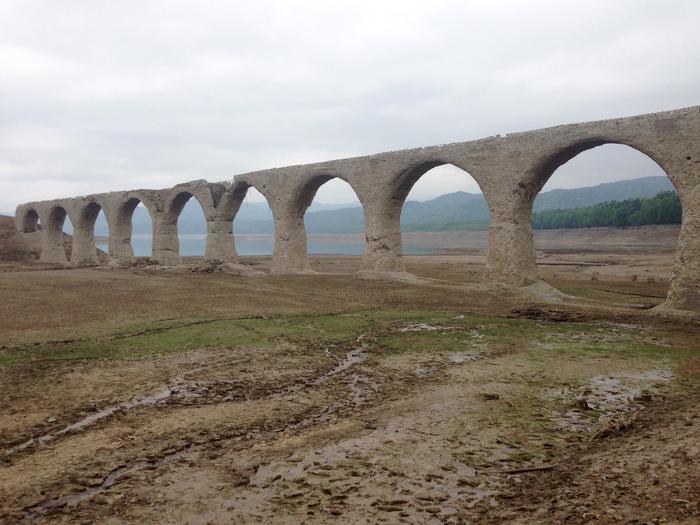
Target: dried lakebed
(388,415)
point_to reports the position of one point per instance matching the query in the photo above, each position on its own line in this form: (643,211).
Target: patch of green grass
(215,334)
(621,348)
(462,333)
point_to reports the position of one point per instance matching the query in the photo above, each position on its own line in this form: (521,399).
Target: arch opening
(191,225)
(333,217)
(135,228)
(443,210)
(30,221)
(100,229)
(253,223)
(614,209)
(96,234)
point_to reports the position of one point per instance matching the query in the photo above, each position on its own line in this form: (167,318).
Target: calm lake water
(262,245)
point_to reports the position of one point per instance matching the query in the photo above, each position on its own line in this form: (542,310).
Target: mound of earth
(19,246)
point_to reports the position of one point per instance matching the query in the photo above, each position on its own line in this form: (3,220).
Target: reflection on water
(194,244)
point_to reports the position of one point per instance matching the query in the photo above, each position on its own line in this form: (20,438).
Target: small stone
(582,403)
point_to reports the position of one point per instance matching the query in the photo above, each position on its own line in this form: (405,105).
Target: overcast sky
(98,96)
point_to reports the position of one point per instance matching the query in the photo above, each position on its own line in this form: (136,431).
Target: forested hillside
(664,208)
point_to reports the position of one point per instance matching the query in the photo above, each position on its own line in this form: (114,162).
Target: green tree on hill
(664,208)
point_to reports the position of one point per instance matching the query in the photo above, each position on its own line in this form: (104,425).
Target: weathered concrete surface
(510,170)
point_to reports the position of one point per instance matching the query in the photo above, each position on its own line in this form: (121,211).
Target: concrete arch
(182,200)
(404,181)
(84,252)
(383,254)
(510,169)
(27,220)
(233,198)
(549,164)
(663,138)
(290,254)
(307,193)
(306,190)
(120,220)
(167,207)
(221,244)
(554,160)
(180,196)
(281,199)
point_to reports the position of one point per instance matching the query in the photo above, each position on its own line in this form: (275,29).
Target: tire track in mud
(156,397)
(362,389)
(358,396)
(191,392)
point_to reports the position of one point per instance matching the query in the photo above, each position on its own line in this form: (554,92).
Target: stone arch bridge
(510,171)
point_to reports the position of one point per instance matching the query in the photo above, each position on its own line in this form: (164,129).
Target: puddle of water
(423,371)
(463,357)
(423,327)
(607,394)
(614,393)
(353,357)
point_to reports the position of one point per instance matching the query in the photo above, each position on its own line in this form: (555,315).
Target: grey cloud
(97,96)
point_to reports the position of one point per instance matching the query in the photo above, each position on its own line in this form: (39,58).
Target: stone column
(220,245)
(84,251)
(166,245)
(119,219)
(684,292)
(510,259)
(289,255)
(119,243)
(382,255)
(52,250)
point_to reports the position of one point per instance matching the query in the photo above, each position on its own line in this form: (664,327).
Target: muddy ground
(150,395)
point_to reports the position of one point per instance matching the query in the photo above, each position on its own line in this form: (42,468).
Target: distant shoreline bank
(661,237)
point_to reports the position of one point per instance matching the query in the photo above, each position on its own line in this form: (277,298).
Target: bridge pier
(220,246)
(510,259)
(383,252)
(119,243)
(52,249)
(290,251)
(166,245)
(684,291)
(84,252)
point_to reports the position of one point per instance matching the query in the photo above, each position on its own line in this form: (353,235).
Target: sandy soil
(147,395)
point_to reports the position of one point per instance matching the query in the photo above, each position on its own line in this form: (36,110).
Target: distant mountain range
(454,211)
